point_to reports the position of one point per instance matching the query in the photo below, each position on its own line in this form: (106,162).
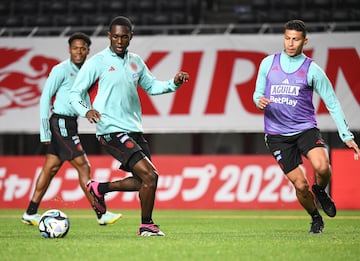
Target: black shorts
(287,150)
(65,141)
(128,148)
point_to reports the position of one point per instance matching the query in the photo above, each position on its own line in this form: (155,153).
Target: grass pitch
(190,235)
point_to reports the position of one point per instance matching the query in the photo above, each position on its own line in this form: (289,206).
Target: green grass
(190,235)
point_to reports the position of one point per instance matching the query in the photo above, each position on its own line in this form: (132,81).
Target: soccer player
(117,113)
(60,132)
(284,90)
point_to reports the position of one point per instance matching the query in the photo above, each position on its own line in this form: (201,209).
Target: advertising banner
(185,182)
(218,97)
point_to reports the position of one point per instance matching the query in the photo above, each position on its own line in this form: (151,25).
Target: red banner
(185,182)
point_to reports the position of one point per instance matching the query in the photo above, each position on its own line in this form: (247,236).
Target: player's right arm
(84,80)
(52,84)
(259,94)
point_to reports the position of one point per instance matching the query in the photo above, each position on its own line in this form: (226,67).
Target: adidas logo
(319,142)
(111,69)
(286,81)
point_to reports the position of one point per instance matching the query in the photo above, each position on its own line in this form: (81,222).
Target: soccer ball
(54,224)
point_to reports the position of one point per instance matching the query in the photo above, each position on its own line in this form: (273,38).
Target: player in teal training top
(284,90)
(60,131)
(112,76)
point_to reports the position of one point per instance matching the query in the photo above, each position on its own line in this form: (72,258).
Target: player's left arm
(323,87)
(152,86)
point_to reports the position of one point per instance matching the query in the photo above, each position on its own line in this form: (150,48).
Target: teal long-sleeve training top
(112,83)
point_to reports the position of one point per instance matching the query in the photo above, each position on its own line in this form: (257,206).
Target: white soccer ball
(54,224)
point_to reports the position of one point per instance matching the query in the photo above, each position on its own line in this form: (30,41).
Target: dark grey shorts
(287,150)
(65,141)
(128,148)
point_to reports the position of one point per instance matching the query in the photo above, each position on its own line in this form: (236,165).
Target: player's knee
(322,166)
(54,169)
(323,169)
(152,178)
(146,172)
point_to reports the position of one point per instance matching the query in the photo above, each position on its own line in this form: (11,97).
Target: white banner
(218,97)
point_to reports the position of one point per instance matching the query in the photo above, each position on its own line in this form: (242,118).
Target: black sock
(315,214)
(103,188)
(32,208)
(319,187)
(98,214)
(146,221)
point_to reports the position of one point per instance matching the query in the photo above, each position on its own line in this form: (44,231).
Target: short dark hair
(296,25)
(81,36)
(121,20)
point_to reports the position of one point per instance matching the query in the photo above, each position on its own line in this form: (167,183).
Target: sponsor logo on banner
(222,72)
(22,89)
